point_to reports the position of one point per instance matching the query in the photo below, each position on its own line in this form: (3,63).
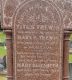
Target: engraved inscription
(37,26)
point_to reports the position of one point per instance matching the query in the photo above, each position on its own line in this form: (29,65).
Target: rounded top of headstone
(38,12)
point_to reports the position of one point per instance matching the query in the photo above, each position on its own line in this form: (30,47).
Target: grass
(70,58)
(3,77)
(2,37)
(3,51)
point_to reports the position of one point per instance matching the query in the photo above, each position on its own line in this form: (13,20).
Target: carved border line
(14,47)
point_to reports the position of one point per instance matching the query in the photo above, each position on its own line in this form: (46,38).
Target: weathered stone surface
(37,26)
(9,7)
(9,55)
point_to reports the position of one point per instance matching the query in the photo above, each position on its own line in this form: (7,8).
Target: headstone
(10,6)
(37,41)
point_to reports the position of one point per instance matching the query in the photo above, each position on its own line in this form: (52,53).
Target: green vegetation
(70,58)
(2,37)
(3,77)
(2,41)
(2,51)
(70,37)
